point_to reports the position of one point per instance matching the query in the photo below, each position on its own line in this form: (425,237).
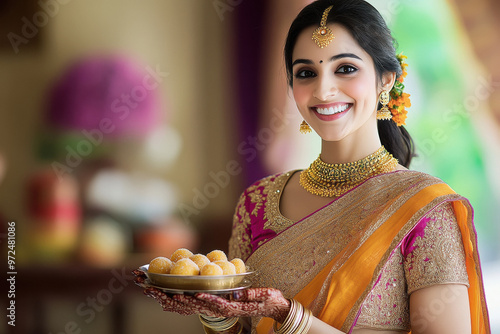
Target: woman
(356,242)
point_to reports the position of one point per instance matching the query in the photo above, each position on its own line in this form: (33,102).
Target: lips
(332,111)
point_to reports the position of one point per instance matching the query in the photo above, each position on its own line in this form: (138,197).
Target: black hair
(369,29)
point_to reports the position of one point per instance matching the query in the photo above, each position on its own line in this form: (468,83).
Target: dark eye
(346,69)
(303,74)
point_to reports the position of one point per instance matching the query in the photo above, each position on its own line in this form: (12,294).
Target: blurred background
(128,129)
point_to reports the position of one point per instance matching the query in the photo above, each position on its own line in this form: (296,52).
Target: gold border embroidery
(274,219)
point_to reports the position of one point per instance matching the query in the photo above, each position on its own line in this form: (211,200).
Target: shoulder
(401,181)
(433,251)
(270,182)
(427,190)
(415,182)
(414,176)
(258,195)
(428,186)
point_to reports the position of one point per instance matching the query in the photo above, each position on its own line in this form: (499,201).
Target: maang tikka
(323,35)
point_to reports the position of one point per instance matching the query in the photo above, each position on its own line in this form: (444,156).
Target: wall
(187,39)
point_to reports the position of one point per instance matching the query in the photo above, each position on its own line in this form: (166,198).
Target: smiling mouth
(332,110)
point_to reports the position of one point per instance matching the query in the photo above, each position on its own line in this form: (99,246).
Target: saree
(330,260)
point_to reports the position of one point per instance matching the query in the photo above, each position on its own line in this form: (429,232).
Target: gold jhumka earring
(384,112)
(323,35)
(305,128)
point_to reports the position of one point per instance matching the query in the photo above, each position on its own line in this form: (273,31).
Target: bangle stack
(218,324)
(298,320)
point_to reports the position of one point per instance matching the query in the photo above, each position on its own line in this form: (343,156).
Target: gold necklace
(331,180)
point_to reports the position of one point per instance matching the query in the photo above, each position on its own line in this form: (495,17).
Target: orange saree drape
(334,284)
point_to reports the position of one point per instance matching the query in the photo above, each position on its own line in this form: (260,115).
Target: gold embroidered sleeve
(239,242)
(434,253)
(386,307)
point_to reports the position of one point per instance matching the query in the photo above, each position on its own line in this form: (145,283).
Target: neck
(354,147)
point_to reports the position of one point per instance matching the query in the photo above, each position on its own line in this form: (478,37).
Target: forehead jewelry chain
(323,35)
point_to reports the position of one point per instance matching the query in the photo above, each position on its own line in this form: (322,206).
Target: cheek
(360,89)
(301,94)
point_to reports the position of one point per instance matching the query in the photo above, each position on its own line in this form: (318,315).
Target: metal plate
(198,283)
(243,285)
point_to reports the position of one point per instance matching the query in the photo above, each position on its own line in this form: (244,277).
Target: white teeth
(332,110)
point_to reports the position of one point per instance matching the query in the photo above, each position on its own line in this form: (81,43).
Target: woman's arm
(437,309)
(436,275)
(442,308)
(320,327)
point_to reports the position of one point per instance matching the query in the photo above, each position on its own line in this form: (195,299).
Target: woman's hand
(166,301)
(256,302)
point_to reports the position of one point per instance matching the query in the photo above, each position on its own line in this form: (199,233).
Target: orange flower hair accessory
(399,100)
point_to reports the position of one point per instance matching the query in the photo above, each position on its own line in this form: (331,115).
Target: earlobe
(388,80)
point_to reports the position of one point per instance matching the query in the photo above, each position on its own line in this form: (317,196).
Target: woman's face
(335,88)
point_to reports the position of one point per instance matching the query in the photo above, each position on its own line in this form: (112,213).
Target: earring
(304,127)
(384,112)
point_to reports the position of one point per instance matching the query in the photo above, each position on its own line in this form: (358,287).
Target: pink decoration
(111,94)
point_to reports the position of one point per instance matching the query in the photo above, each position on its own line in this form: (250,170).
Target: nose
(325,89)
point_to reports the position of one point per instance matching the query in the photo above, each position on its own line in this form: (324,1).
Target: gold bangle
(241,329)
(310,319)
(218,324)
(292,320)
(208,330)
(305,323)
(298,320)
(288,319)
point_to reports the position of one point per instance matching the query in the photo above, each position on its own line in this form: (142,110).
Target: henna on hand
(140,278)
(253,302)
(184,305)
(187,306)
(256,302)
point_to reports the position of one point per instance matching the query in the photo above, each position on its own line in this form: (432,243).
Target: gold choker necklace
(331,180)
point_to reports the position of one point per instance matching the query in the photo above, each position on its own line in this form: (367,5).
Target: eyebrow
(336,57)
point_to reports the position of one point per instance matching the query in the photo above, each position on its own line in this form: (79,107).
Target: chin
(333,136)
